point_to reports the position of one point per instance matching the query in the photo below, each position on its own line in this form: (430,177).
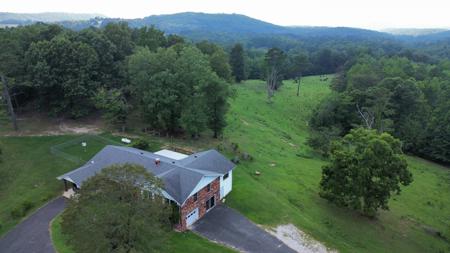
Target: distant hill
(414,31)
(226,27)
(48,17)
(231,28)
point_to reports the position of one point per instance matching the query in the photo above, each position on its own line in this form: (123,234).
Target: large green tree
(178,90)
(119,209)
(237,62)
(65,75)
(364,170)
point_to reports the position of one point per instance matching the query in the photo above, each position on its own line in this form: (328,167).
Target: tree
(219,64)
(237,62)
(150,37)
(7,98)
(365,168)
(274,59)
(114,106)
(109,70)
(65,75)
(154,82)
(217,104)
(120,35)
(120,209)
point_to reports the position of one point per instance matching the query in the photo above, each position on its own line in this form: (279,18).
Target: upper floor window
(225,176)
(195,197)
(208,187)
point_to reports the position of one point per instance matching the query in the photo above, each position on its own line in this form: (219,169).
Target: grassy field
(285,192)
(178,242)
(287,189)
(28,176)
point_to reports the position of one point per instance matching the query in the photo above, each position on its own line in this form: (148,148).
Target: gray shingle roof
(179,177)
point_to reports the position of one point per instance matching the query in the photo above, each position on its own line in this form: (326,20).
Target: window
(208,187)
(225,176)
(195,197)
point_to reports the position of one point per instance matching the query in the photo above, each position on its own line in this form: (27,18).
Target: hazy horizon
(377,15)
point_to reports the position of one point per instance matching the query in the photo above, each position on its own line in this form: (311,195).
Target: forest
(181,87)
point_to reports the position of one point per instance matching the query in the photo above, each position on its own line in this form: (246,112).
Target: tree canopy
(118,210)
(365,169)
(390,94)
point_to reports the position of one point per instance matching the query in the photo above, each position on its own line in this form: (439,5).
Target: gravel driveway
(227,226)
(32,235)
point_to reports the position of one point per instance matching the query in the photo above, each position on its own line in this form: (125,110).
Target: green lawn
(28,175)
(287,189)
(187,242)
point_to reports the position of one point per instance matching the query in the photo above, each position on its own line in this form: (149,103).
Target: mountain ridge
(232,27)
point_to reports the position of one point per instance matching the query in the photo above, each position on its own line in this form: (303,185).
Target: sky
(374,14)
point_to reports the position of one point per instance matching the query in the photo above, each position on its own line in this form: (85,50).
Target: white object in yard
(83,144)
(192,217)
(126,140)
(171,154)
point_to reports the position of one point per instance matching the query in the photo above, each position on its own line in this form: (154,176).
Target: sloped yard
(286,190)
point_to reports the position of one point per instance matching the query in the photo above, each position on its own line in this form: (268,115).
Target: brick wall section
(203,196)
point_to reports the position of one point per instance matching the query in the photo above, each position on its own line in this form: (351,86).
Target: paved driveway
(32,235)
(227,226)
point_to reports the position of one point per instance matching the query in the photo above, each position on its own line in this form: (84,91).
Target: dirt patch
(298,240)
(41,125)
(64,128)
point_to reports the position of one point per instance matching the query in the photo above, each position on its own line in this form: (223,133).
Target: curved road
(32,235)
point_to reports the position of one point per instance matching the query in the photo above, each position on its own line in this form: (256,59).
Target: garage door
(192,217)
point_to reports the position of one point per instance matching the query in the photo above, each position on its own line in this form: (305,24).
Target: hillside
(287,189)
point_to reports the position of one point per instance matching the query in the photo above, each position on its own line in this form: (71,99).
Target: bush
(141,144)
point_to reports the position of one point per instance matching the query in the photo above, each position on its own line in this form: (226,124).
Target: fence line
(58,149)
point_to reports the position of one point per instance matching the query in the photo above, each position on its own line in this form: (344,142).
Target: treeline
(409,99)
(175,86)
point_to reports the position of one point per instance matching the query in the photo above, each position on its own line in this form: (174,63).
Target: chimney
(157,161)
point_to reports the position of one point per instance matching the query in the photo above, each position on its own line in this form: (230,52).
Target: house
(195,183)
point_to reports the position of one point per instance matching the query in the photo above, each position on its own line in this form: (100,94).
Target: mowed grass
(28,173)
(287,189)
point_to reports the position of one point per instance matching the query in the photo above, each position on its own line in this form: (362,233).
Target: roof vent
(195,156)
(157,161)
(141,153)
(173,162)
(92,161)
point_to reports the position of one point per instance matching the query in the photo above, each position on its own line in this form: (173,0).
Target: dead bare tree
(7,97)
(366,116)
(272,82)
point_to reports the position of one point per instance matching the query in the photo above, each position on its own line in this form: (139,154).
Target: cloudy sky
(374,14)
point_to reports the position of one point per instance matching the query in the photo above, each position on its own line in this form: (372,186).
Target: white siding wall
(226,185)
